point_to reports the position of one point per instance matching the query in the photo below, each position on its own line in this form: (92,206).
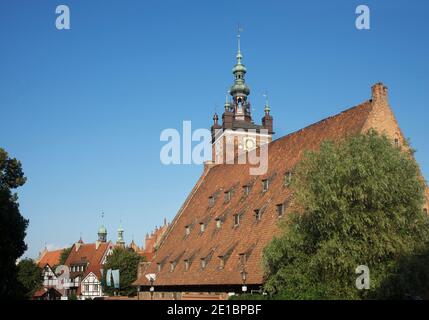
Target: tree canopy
(126,260)
(12,226)
(357,202)
(30,277)
(64,255)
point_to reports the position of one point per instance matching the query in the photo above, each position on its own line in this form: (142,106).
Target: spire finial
(239,55)
(227,103)
(239,30)
(267,106)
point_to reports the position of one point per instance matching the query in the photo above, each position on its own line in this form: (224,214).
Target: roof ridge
(361,105)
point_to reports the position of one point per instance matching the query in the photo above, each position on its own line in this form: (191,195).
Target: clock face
(250,143)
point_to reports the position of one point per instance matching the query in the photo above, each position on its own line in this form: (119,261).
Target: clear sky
(83,109)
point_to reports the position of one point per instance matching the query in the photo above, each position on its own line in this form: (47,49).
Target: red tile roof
(250,236)
(50,257)
(91,256)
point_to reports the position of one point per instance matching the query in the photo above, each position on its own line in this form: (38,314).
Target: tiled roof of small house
(52,258)
(89,255)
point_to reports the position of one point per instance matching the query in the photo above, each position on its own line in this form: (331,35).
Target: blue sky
(83,109)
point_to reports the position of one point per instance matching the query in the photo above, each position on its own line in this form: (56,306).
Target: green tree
(357,202)
(126,260)
(64,255)
(12,226)
(30,277)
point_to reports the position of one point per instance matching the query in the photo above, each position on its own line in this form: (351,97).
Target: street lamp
(151,277)
(243,279)
(152,289)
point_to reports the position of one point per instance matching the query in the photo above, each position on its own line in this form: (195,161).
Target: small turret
(120,242)
(102,234)
(267,120)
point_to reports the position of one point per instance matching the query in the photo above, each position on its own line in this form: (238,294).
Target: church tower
(238,134)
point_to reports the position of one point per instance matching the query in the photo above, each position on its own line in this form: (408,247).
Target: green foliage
(360,203)
(126,260)
(64,255)
(12,226)
(30,277)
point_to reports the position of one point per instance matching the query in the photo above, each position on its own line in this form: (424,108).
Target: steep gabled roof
(243,245)
(250,236)
(52,258)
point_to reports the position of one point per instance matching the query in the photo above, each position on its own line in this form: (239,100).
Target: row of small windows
(237,219)
(94,287)
(80,268)
(246,188)
(203,262)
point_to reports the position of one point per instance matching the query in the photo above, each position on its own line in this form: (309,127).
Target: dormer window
(288,178)
(187,230)
(257,214)
(396,141)
(202,227)
(221,262)
(228,196)
(203,263)
(211,201)
(218,223)
(265,185)
(236,219)
(186,265)
(246,190)
(159,267)
(280,209)
(242,258)
(172,266)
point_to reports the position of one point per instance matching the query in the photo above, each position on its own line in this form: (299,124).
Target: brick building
(219,233)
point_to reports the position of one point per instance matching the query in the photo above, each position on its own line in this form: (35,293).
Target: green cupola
(102,234)
(120,241)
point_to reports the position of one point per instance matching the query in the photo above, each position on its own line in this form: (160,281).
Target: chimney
(97,244)
(379,93)
(77,246)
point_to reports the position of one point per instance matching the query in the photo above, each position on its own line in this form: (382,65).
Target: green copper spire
(239,88)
